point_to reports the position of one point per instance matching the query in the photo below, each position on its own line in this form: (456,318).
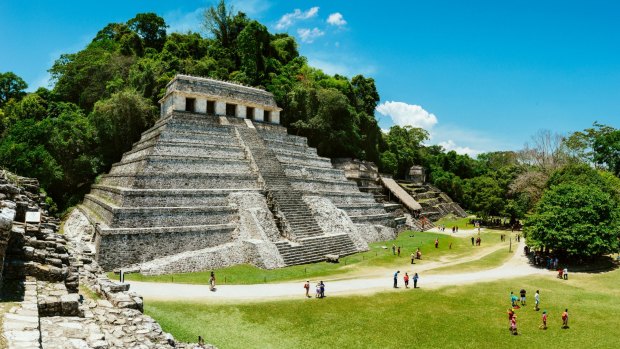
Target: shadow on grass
(595,265)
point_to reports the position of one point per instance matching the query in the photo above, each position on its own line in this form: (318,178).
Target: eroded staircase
(307,243)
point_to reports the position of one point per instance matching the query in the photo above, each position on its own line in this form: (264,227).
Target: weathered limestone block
(334,221)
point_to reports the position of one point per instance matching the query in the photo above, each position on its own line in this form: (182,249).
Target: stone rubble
(48,269)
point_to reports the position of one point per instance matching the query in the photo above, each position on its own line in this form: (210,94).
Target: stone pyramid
(217,182)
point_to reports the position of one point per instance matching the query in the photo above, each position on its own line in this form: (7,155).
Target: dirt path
(517,266)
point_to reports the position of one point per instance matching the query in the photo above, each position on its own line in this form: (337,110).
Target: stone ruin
(58,295)
(413,203)
(217,182)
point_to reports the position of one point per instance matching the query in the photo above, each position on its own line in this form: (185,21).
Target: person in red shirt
(511,313)
(565,318)
(544,321)
(406,279)
(513,325)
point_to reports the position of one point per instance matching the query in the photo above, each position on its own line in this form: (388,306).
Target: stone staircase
(314,249)
(293,216)
(435,203)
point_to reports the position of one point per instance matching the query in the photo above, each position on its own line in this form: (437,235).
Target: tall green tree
(575,220)
(119,121)
(11,86)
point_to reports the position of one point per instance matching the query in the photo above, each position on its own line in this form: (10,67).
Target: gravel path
(517,266)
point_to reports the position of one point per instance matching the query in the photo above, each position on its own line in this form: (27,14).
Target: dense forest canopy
(105,95)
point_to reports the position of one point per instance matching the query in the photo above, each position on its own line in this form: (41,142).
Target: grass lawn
(377,256)
(490,261)
(453,221)
(471,316)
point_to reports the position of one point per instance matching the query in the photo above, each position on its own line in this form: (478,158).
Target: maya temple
(218,182)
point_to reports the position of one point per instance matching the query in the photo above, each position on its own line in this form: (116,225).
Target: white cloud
(404,114)
(336,19)
(289,18)
(450,145)
(308,35)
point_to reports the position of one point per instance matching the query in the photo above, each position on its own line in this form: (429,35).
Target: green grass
(492,260)
(88,293)
(452,221)
(376,257)
(471,316)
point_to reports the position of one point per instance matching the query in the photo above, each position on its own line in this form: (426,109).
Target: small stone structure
(212,185)
(213,97)
(417,174)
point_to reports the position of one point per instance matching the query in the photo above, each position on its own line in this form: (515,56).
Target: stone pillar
(201,105)
(241,111)
(220,108)
(178,102)
(275,117)
(259,114)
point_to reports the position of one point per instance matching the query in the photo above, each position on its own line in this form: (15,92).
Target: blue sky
(479,75)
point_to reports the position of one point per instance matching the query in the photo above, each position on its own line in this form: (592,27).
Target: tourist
(560,273)
(472,241)
(436,242)
(212,281)
(415,280)
(318,290)
(453,229)
(511,313)
(201,342)
(565,273)
(307,287)
(412,257)
(393,249)
(513,325)
(537,300)
(322,287)
(565,318)
(398,251)
(522,293)
(396,278)
(418,253)
(544,321)
(513,299)
(450,247)
(406,280)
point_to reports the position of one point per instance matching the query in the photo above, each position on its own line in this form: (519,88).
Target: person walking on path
(522,294)
(393,249)
(565,273)
(212,282)
(398,251)
(396,278)
(436,242)
(322,287)
(406,280)
(472,241)
(544,321)
(307,288)
(537,300)
(565,318)
(415,280)
(412,258)
(318,290)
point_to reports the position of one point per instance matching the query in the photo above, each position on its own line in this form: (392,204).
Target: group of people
(477,241)
(512,316)
(320,289)
(416,255)
(550,262)
(395,251)
(406,279)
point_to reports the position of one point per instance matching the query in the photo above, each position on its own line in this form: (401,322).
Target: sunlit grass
(472,316)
